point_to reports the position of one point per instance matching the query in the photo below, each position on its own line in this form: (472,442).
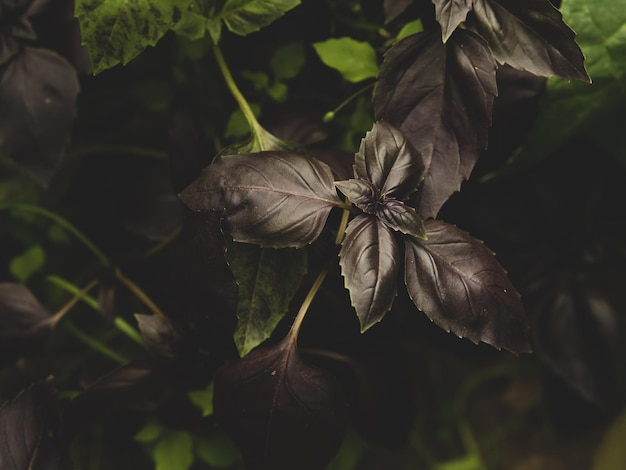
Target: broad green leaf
(247,16)
(288,60)
(412,27)
(268,279)
(116,31)
(369,264)
(237,126)
(150,432)
(218,451)
(173,451)
(355,60)
(458,283)
(531,36)
(273,198)
(24,265)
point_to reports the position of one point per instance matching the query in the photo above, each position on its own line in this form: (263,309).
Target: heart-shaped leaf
(441,98)
(458,283)
(369,263)
(273,198)
(389,162)
(29,431)
(38,90)
(268,279)
(280,411)
(531,36)
(450,14)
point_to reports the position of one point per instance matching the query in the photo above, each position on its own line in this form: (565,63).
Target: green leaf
(116,31)
(203,399)
(174,451)
(247,16)
(601,33)
(24,265)
(268,279)
(412,27)
(217,451)
(288,60)
(237,126)
(611,453)
(355,60)
(149,433)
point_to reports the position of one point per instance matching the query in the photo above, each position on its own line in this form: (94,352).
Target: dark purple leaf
(161,336)
(401,218)
(274,199)
(29,431)
(389,162)
(450,14)
(362,193)
(38,91)
(458,283)
(369,263)
(531,36)
(280,411)
(24,322)
(15,26)
(441,97)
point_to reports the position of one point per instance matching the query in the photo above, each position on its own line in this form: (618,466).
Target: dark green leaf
(274,199)
(450,14)
(174,450)
(247,16)
(29,431)
(458,283)
(355,60)
(24,265)
(369,263)
(402,218)
(441,98)
(390,162)
(530,35)
(288,60)
(38,91)
(268,279)
(281,412)
(118,30)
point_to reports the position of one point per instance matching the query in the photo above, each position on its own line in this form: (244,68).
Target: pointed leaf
(362,193)
(29,431)
(368,260)
(268,279)
(161,336)
(441,98)
(355,60)
(281,412)
(458,283)
(450,14)
(390,162)
(117,31)
(273,199)
(38,90)
(247,16)
(401,218)
(531,36)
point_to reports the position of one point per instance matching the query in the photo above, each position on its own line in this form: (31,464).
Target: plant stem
(67,225)
(123,326)
(139,293)
(255,127)
(95,344)
(329,116)
(74,300)
(297,323)
(341,231)
(73,289)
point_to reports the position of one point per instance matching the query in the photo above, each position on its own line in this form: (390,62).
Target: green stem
(123,326)
(297,323)
(329,116)
(139,293)
(74,300)
(95,344)
(72,289)
(67,225)
(255,127)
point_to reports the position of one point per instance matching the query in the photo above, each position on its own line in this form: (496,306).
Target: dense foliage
(235,234)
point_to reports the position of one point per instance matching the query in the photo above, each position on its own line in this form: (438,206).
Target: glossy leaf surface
(458,283)
(280,411)
(369,263)
(268,279)
(530,35)
(247,16)
(273,199)
(441,97)
(38,90)
(401,218)
(116,31)
(29,428)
